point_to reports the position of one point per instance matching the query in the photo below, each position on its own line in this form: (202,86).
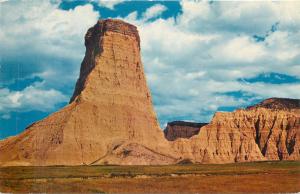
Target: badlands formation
(267,131)
(110,119)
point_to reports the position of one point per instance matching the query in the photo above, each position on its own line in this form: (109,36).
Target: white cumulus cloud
(110,4)
(31,98)
(154,11)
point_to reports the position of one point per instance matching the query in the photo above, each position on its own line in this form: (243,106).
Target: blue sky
(199,57)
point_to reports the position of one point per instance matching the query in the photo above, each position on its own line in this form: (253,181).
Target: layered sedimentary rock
(253,134)
(110,118)
(182,129)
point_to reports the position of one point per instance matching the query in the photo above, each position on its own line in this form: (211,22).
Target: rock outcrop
(253,134)
(110,118)
(182,129)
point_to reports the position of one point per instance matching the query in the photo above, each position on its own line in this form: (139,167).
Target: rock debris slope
(110,118)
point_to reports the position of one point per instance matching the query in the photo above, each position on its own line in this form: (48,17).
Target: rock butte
(182,129)
(110,119)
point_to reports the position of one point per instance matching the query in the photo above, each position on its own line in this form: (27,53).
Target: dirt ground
(242,177)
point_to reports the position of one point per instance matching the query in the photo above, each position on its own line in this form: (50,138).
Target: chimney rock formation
(110,118)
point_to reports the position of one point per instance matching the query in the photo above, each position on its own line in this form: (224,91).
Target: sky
(199,56)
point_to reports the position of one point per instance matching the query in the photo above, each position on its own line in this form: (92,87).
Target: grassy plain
(239,177)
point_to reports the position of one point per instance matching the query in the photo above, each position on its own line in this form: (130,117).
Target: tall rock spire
(110,118)
(111,44)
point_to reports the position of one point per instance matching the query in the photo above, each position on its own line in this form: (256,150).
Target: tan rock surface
(111,106)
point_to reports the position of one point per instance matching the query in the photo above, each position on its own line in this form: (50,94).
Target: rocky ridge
(252,134)
(278,104)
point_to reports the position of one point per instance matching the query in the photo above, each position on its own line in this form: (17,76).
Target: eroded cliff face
(253,134)
(110,116)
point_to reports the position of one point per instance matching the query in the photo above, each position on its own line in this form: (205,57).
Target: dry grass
(243,177)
